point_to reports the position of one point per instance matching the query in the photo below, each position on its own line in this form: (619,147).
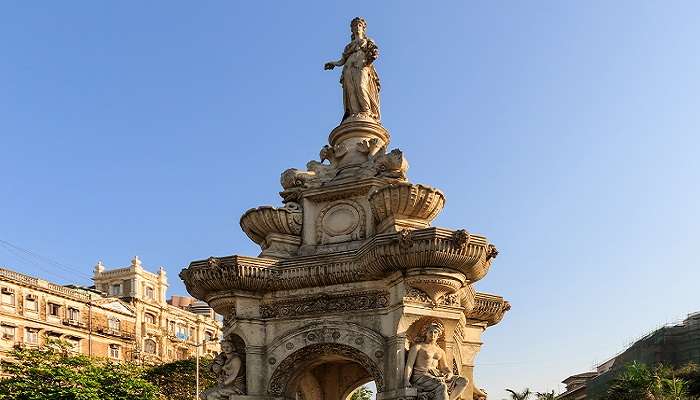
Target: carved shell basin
(260,222)
(406,200)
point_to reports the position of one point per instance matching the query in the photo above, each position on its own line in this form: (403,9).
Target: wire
(31,257)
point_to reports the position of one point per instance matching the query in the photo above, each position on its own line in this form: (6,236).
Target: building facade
(124,317)
(673,345)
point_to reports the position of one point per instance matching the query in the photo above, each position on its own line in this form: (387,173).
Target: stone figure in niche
(228,367)
(359,78)
(427,371)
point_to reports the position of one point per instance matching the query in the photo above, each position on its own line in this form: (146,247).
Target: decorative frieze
(324,303)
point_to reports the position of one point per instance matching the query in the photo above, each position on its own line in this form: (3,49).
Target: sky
(566,132)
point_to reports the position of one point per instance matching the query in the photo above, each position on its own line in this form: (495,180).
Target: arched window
(149,346)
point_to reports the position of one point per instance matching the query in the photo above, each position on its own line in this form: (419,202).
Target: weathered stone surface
(351,272)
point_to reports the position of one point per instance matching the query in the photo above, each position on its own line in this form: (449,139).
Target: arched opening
(324,371)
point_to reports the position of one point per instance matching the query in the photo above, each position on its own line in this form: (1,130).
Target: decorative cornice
(378,257)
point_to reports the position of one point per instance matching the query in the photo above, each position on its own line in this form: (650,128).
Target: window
(74,314)
(7,332)
(116,289)
(149,292)
(31,304)
(114,324)
(181,332)
(8,297)
(54,310)
(192,333)
(31,336)
(171,327)
(208,336)
(149,346)
(149,318)
(115,351)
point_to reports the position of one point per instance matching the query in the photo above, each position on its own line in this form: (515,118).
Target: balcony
(74,322)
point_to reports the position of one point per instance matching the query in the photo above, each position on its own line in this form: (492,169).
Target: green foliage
(545,395)
(53,373)
(361,393)
(638,381)
(524,395)
(690,373)
(177,380)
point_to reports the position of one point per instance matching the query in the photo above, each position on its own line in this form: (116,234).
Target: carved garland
(292,364)
(324,303)
(418,296)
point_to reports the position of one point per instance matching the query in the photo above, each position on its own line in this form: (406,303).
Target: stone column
(256,381)
(395,363)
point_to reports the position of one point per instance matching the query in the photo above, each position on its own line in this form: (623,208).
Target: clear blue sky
(567,132)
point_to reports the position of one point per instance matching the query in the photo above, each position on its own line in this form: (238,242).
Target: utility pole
(196,393)
(90,324)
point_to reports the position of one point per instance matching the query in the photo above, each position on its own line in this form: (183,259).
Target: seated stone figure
(227,367)
(427,371)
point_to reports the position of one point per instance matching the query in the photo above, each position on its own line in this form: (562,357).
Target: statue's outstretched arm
(333,64)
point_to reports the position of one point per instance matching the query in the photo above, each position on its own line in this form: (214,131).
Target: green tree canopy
(361,393)
(640,382)
(524,395)
(53,373)
(177,380)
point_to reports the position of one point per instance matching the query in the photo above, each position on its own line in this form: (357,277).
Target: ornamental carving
(324,303)
(488,308)
(341,221)
(461,238)
(405,239)
(419,296)
(213,262)
(491,252)
(302,357)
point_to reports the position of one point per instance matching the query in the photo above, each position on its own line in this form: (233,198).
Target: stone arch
(353,334)
(316,354)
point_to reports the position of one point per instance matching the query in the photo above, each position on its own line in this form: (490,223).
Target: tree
(52,372)
(524,395)
(177,380)
(545,395)
(690,373)
(361,393)
(638,381)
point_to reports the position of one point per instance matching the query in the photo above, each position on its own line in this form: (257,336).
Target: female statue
(227,367)
(359,78)
(427,371)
